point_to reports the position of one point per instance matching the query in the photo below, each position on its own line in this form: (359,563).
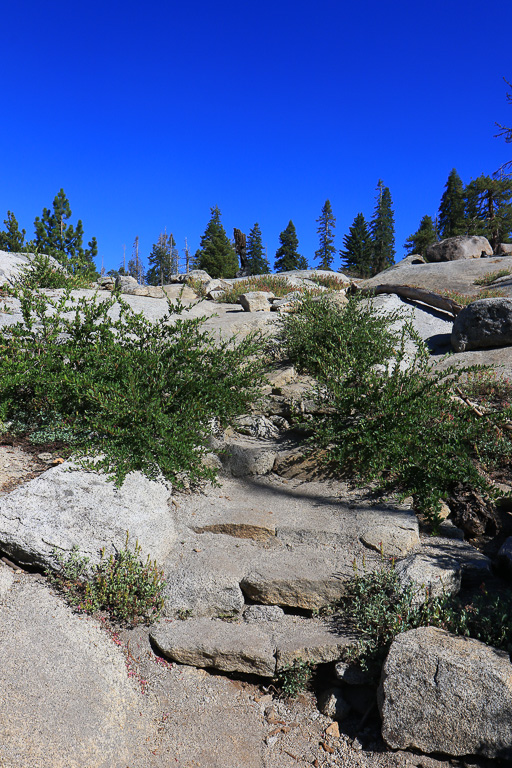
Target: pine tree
(451,210)
(326,224)
(357,253)
(216,254)
(257,263)
(287,257)
(56,238)
(489,209)
(135,266)
(425,235)
(383,231)
(163,260)
(12,239)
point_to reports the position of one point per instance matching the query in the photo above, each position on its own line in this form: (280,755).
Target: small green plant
(490,277)
(377,607)
(295,678)
(387,417)
(129,590)
(198,286)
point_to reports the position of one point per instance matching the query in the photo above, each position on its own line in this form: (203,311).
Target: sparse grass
(490,277)
(331,282)
(279,286)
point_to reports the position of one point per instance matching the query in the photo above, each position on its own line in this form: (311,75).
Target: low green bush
(387,416)
(42,272)
(490,277)
(378,608)
(135,395)
(295,678)
(129,590)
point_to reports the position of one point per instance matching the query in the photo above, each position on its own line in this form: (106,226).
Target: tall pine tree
(163,260)
(451,219)
(489,209)
(257,263)
(326,225)
(55,237)
(12,239)
(424,236)
(383,231)
(216,254)
(287,256)
(135,266)
(357,251)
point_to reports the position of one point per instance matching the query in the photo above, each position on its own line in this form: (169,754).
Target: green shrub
(331,282)
(490,277)
(389,417)
(378,608)
(295,678)
(137,395)
(128,589)
(43,273)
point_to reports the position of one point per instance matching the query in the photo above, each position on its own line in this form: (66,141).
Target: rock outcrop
(482,324)
(441,693)
(460,247)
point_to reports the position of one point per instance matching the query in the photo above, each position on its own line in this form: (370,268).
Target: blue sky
(148,114)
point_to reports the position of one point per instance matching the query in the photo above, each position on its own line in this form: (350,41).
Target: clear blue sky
(148,114)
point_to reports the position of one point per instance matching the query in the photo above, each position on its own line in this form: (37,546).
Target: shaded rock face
(461,247)
(441,693)
(429,576)
(484,323)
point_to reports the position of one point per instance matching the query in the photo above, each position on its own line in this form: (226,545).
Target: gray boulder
(429,576)
(442,693)
(256,301)
(217,644)
(460,247)
(63,508)
(126,281)
(504,249)
(484,323)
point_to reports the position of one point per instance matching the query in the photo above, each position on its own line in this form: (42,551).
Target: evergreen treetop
(326,224)
(287,256)
(452,220)
(257,262)
(357,252)
(489,209)
(383,231)
(216,254)
(12,239)
(424,236)
(163,260)
(54,237)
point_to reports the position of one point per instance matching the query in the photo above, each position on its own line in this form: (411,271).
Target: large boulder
(482,324)
(64,508)
(442,693)
(256,301)
(504,249)
(460,247)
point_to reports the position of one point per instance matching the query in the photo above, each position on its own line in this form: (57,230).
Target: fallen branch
(416,294)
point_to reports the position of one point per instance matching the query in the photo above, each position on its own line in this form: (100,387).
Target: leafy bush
(135,394)
(128,589)
(42,272)
(378,608)
(389,417)
(295,678)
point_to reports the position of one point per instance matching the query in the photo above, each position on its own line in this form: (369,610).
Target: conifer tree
(54,237)
(163,260)
(12,239)
(489,209)
(424,236)
(258,264)
(383,231)
(357,252)
(135,266)
(451,209)
(216,254)
(326,224)
(287,257)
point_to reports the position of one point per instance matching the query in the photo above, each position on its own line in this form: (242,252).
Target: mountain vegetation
(287,256)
